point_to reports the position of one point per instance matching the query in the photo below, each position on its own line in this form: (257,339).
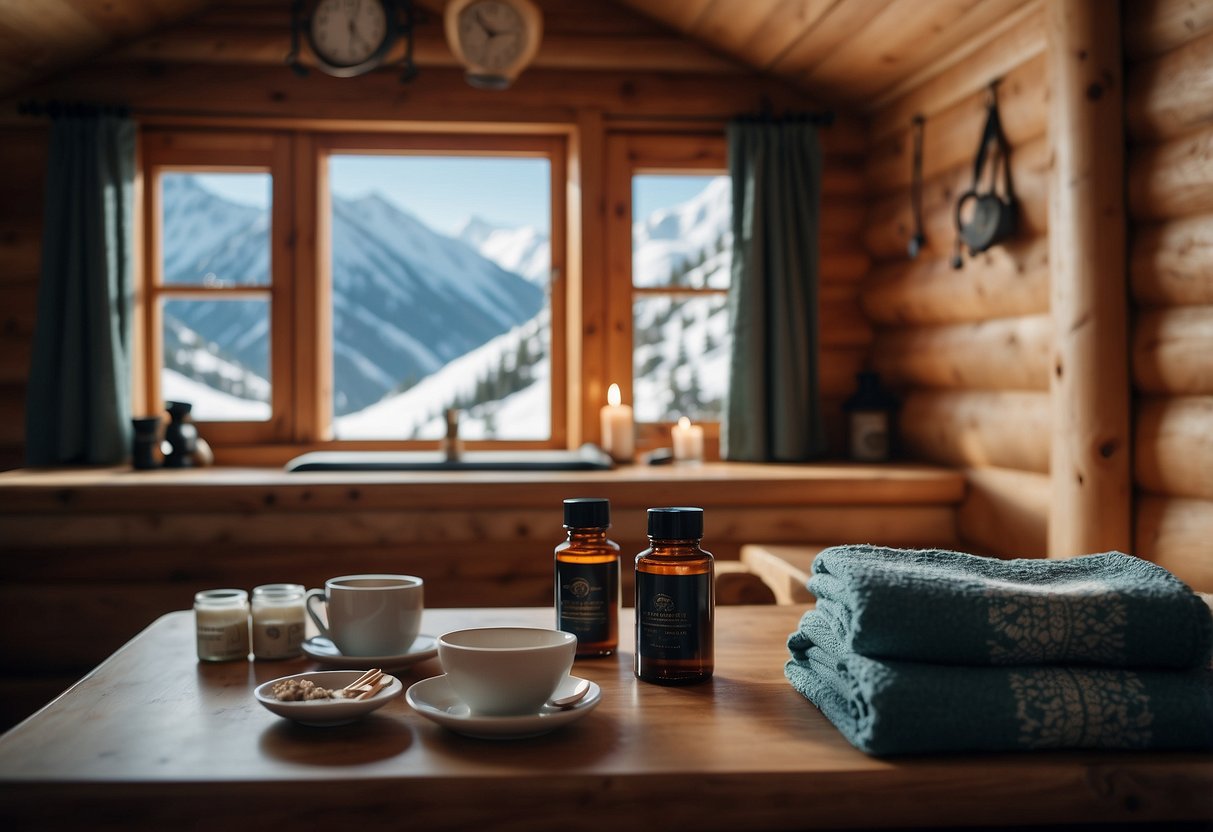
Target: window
(218,291)
(678,228)
(440,296)
(308,288)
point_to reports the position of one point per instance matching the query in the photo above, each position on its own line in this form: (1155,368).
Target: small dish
(434,699)
(324,651)
(327,712)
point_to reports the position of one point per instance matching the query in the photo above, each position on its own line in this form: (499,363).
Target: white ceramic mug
(506,671)
(370,615)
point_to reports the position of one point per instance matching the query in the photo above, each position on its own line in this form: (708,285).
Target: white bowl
(506,671)
(326,712)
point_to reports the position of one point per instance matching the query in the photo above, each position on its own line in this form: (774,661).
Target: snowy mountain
(669,242)
(525,250)
(406,299)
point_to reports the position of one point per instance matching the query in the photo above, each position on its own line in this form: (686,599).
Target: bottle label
(585,594)
(869,436)
(673,615)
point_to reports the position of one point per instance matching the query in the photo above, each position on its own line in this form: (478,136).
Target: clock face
(492,35)
(347,33)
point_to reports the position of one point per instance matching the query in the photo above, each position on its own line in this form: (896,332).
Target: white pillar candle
(618,430)
(688,441)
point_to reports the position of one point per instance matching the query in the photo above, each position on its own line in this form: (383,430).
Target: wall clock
(493,39)
(351,37)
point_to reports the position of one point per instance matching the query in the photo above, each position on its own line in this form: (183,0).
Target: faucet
(452,445)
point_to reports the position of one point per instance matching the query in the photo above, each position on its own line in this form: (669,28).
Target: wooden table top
(153,739)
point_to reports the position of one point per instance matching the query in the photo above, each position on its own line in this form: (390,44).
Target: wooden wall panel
(1169,87)
(1005,512)
(968,350)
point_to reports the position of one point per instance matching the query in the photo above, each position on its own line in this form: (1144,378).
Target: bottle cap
(682,523)
(587,513)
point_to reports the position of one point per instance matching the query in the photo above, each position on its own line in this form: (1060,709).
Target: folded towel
(1110,609)
(886,707)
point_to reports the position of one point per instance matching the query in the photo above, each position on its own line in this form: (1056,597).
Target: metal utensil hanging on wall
(919,240)
(993,217)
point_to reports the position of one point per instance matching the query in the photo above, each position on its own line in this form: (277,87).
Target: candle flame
(684,423)
(614,399)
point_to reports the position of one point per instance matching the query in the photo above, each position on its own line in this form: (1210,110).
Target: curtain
(772,408)
(78,402)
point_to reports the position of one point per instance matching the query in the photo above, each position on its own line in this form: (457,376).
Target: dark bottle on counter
(145,442)
(587,578)
(870,412)
(181,434)
(675,600)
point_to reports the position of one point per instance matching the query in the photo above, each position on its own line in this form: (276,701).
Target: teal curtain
(78,401)
(772,408)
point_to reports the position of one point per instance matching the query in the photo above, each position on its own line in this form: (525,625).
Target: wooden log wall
(969,350)
(1169,114)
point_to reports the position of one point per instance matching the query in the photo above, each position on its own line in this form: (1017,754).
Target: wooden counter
(103,551)
(152,739)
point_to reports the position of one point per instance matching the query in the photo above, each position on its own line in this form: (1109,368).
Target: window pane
(217,357)
(216,228)
(440,269)
(682,234)
(681,357)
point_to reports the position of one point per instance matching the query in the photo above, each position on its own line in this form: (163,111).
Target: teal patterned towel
(887,707)
(938,606)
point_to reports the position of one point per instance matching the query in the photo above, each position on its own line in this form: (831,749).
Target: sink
(586,458)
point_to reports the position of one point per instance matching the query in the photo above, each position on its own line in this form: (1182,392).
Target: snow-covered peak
(523,250)
(670,240)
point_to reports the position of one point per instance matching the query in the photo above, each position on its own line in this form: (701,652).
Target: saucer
(326,712)
(434,699)
(324,651)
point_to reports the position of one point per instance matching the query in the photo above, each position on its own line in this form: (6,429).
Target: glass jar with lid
(279,621)
(221,619)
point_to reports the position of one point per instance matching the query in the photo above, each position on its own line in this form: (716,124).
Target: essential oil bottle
(587,578)
(675,600)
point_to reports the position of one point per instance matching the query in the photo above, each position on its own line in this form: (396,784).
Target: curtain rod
(55,109)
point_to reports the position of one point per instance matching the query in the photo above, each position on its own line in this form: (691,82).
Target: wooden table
(153,739)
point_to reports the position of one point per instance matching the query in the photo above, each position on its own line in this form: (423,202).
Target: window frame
(629,155)
(552,147)
(300,283)
(200,151)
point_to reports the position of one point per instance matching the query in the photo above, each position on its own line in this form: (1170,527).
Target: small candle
(618,431)
(688,441)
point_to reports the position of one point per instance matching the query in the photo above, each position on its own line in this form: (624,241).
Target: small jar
(278,621)
(221,618)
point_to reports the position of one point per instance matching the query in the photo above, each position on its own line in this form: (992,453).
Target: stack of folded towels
(912,651)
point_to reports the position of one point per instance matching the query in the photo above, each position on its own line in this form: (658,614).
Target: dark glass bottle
(675,600)
(181,434)
(870,412)
(587,578)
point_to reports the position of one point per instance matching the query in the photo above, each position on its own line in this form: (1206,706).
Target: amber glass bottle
(675,600)
(587,578)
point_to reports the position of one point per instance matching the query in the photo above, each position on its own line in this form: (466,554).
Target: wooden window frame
(222,152)
(630,154)
(299,290)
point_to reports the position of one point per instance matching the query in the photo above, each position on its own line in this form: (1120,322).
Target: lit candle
(688,441)
(618,438)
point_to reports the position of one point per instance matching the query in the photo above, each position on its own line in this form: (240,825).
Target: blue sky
(445,191)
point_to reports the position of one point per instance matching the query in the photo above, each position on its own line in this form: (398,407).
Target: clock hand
(488,30)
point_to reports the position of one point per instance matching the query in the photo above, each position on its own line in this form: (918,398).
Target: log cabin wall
(968,350)
(1169,114)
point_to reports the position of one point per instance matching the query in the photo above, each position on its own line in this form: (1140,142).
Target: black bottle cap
(681,523)
(587,513)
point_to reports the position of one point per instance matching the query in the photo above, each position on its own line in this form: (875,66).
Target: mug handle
(307,603)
